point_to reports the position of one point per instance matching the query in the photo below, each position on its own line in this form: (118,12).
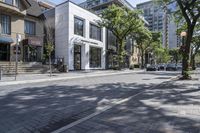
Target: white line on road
(113,104)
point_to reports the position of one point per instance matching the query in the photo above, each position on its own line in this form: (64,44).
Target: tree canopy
(188,15)
(121,21)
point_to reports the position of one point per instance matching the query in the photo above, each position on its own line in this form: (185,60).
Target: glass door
(77,57)
(4,52)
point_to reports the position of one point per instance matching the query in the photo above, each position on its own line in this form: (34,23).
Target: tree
(49,46)
(194,50)
(142,37)
(195,45)
(190,11)
(121,21)
(175,54)
(49,49)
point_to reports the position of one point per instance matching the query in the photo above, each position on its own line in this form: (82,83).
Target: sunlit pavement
(45,107)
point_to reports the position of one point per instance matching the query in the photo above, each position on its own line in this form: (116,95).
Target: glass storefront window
(95,32)
(78,26)
(95,57)
(5,24)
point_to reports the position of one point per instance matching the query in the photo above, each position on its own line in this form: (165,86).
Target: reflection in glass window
(95,32)
(29,27)
(78,26)
(95,57)
(5,24)
(10,2)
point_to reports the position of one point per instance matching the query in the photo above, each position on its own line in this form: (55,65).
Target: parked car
(171,67)
(152,68)
(161,67)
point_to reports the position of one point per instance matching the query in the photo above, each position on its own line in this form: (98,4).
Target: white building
(78,38)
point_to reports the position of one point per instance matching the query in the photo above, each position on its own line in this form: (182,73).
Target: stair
(24,68)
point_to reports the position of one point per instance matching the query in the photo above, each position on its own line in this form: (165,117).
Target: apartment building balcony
(96,5)
(12,9)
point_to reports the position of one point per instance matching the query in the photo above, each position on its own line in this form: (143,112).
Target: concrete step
(9,68)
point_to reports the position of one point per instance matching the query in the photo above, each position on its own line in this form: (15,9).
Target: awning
(6,40)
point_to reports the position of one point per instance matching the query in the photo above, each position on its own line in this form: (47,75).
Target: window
(111,40)
(10,2)
(95,32)
(5,24)
(95,57)
(29,27)
(17,3)
(78,26)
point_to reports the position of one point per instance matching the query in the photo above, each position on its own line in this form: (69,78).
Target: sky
(133,2)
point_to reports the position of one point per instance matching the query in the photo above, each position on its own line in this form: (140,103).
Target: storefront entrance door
(4,52)
(32,53)
(77,57)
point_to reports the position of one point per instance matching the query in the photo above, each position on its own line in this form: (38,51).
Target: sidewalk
(38,78)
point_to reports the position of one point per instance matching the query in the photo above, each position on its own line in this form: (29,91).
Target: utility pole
(18,39)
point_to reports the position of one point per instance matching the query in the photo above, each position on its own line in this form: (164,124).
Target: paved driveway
(48,106)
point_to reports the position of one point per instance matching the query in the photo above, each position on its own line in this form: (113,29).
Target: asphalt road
(48,106)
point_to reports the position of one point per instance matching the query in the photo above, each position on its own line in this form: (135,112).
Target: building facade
(20,17)
(97,6)
(160,21)
(79,40)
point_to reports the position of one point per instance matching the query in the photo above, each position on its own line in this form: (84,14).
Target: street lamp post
(18,39)
(183,36)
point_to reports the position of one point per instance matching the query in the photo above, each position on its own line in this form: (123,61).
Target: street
(143,102)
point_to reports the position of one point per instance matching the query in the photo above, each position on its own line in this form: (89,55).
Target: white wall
(65,38)
(61,32)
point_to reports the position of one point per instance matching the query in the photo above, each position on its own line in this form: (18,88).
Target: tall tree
(190,11)
(121,21)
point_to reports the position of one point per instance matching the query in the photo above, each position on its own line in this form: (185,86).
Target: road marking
(113,104)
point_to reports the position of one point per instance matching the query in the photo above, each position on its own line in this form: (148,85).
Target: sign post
(18,39)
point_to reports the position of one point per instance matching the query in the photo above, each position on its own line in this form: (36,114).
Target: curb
(63,78)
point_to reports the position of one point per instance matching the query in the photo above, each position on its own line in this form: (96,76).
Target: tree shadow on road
(41,108)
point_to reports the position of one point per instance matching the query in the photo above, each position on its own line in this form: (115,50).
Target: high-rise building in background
(160,20)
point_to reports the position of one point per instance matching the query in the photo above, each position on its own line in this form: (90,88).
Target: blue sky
(133,2)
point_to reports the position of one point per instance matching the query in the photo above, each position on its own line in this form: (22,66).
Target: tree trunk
(121,53)
(192,61)
(50,66)
(142,60)
(186,54)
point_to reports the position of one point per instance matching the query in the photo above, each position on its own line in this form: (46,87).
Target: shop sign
(34,41)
